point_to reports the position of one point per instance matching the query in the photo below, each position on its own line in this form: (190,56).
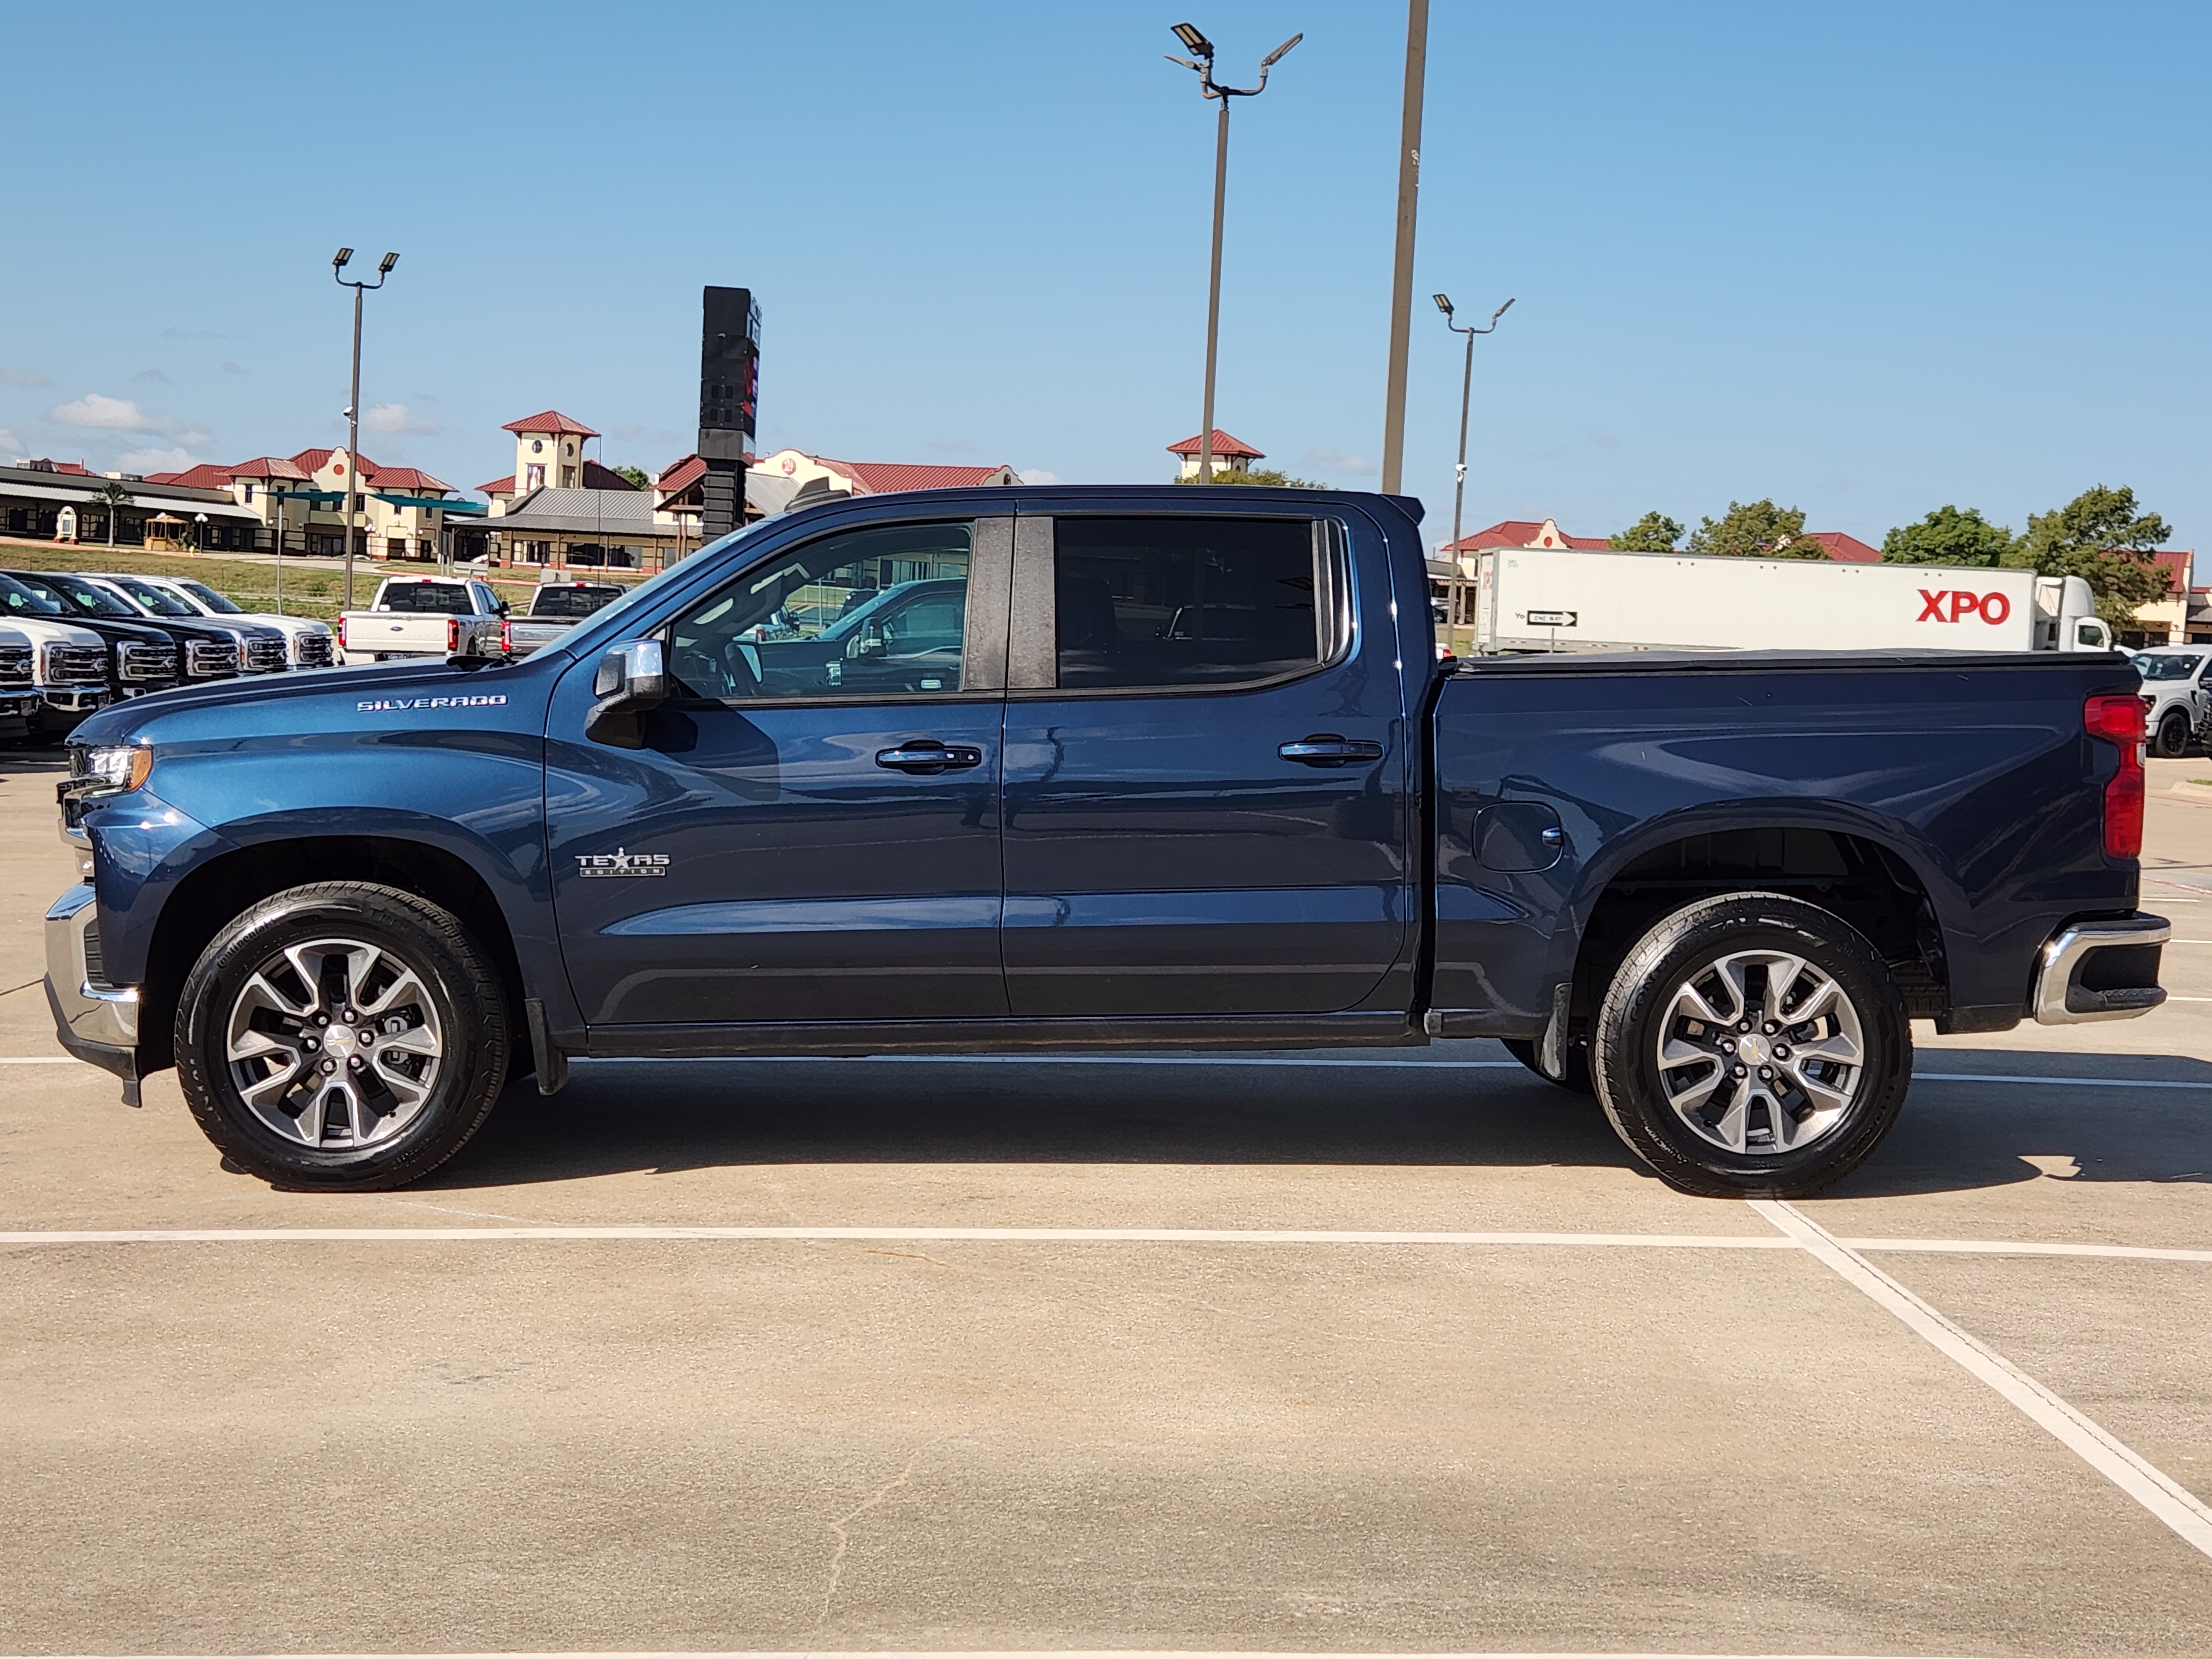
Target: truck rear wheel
(342,1035)
(1752,1046)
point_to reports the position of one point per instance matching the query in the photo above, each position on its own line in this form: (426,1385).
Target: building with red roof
(1230,453)
(1844,548)
(878,478)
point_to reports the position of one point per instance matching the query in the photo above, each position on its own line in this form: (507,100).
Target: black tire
(1576,1060)
(1640,1006)
(2171,740)
(460,994)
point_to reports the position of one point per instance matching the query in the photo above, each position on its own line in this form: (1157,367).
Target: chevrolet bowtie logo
(621,862)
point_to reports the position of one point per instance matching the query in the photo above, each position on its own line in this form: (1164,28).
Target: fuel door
(1519,836)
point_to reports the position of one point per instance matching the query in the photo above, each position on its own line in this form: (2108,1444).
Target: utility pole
(1201,49)
(352,405)
(1401,271)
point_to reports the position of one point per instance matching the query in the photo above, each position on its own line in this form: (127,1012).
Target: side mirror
(505,609)
(630,681)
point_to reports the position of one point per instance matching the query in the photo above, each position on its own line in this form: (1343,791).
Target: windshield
(22,601)
(2159,666)
(161,603)
(88,597)
(214,604)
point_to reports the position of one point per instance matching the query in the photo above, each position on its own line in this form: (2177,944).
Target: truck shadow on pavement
(664,1117)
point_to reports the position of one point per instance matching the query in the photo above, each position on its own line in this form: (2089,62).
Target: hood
(64,630)
(134,721)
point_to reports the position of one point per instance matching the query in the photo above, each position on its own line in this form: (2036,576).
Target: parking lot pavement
(916,1404)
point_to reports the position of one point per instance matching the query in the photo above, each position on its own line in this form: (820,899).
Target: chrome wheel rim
(1760,1053)
(335,1043)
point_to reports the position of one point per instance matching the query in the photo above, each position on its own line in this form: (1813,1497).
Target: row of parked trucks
(74,642)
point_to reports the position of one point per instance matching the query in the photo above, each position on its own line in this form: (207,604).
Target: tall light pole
(353,404)
(1201,49)
(1459,473)
(1401,270)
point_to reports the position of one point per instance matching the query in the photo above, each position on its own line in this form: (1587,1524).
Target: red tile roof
(163,477)
(205,475)
(679,476)
(1223,446)
(551,420)
(1844,548)
(879,477)
(2176,560)
(407,478)
(504,486)
(268,466)
(314,460)
(603,477)
(1525,533)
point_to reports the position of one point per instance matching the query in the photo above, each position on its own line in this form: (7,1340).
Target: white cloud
(1036,475)
(156,460)
(23,377)
(113,414)
(1333,460)
(395,417)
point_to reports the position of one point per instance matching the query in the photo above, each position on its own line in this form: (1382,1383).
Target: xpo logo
(1946,605)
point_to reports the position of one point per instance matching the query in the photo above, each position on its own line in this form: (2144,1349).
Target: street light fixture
(1202,49)
(1459,475)
(339,262)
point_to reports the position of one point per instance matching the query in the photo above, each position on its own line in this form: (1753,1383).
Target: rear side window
(571,601)
(1183,602)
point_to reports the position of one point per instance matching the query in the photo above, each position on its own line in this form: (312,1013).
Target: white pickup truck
(555,608)
(425,616)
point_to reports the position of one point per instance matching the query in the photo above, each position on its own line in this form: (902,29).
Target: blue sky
(1866,258)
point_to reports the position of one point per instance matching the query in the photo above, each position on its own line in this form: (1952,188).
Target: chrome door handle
(1326,749)
(925,757)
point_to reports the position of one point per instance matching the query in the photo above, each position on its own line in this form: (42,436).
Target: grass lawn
(309,590)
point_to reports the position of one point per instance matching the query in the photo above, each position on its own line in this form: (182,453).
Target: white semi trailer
(1535,599)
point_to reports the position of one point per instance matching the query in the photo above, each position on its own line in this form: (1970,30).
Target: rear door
(804,836)
(1206,788)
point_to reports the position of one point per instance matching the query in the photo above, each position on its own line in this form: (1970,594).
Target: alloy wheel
(1760,1052)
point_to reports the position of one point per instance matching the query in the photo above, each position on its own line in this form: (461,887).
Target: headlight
(110,769)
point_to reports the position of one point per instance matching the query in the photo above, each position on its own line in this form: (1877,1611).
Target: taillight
(452,633)
(2118,719)
(341,645)
(506,639)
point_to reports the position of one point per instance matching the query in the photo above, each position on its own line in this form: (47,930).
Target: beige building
(403,512)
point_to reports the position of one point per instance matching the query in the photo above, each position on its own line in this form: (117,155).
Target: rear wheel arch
(213,893)
(1868,882)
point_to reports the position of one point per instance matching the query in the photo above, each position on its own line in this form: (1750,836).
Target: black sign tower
(729,401)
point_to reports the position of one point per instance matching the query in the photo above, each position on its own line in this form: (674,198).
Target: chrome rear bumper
(2091,970)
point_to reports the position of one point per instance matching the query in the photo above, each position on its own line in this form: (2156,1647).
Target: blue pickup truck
(1152,767)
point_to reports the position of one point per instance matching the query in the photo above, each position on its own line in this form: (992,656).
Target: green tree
(638,477)
(1949,535)
(2103,537)
(111,495)
(1756,530)
(1271,477)
(1654,532)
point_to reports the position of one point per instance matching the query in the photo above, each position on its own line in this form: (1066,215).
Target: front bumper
(2092,970)
(96,1021)
(75,699)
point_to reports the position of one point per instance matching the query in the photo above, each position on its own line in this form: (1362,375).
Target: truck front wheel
(2171,740)
(341,1035)
(1752,1046)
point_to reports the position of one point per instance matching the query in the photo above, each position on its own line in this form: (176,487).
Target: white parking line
(1003,1653)
(1276,1236)
(1290,1060)
(2166,1499)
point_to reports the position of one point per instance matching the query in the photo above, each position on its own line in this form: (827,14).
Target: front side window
(24,601)
(871,613)
(88,597)
(214,602)
(1183,602)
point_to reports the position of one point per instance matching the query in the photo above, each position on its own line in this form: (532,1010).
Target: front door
(1207,800)
(811,830)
